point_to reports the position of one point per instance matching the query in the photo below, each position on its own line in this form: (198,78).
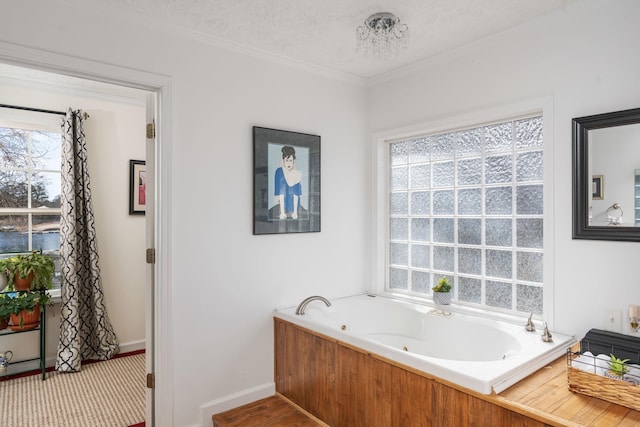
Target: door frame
(161,337)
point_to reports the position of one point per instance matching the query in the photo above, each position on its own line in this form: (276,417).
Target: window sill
(56,295)
(458,307)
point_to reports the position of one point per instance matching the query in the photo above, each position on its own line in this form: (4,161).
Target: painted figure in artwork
(142,188)
(288,187)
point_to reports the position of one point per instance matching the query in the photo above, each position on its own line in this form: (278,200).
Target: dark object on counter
(623,346)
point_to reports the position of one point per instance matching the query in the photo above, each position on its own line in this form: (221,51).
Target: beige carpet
(103,394)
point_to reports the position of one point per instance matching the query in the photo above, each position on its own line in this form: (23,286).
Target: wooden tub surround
(347,387)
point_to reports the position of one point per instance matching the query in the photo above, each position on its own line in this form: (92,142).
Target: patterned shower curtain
(85,329)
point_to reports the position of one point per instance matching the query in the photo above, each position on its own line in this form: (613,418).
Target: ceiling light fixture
(382,35)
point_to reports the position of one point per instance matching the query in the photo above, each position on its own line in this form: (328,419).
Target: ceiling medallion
(382,36)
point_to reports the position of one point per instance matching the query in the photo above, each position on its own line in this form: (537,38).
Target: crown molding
(139,20)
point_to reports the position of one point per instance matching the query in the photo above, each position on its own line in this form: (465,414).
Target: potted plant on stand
(24,308)
(442,292)
(5,312)
(33,271)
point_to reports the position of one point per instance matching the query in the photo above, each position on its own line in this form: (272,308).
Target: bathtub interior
(479,353)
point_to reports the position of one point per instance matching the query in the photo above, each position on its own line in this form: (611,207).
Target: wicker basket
(612,390)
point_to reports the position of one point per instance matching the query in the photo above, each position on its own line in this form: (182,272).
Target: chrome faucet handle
(530,326)
(546,335)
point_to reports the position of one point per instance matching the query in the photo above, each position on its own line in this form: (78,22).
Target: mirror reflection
(614,161)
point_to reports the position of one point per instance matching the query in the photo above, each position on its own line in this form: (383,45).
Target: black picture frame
(137,187)
(268,147)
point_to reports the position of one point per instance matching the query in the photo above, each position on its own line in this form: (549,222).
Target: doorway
(152,276)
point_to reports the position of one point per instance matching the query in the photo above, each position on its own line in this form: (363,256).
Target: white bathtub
(477,353)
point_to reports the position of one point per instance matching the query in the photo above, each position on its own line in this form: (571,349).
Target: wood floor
(274,411)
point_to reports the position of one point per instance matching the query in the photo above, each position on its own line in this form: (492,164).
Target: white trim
(35,211)
(91,70)
(163,314)
(234,400)
(549,155)
(254,52)
(453,54)
(475,118)
(50,361)
(81,68)
(128,347)
(62,84)
(483,117)
(379,197)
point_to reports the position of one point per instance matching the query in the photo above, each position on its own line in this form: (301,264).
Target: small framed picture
(286,182)
(597,187)
(137,187)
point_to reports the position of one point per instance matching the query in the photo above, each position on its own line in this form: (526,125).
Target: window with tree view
(30,190)
(468,205)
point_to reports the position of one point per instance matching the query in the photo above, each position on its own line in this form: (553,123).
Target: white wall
(225,281)
(114,134)
(583,57)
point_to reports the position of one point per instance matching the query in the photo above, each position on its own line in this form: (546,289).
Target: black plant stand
(43,340)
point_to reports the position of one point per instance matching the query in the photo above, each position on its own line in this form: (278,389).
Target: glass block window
(468,205)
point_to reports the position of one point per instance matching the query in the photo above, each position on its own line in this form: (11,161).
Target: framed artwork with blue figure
(286,182)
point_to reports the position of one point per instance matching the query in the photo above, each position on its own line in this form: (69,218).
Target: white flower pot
(442,298)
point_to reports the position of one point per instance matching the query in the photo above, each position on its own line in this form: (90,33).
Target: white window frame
(380,199)
(33,121)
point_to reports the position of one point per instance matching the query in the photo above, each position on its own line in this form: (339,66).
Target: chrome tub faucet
(306,301)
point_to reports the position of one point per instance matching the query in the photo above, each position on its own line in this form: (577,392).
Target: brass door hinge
(151,130)
(151,381)
(151,256)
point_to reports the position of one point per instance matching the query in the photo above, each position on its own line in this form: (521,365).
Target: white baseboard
(124,348)
(234,400)
(128,347)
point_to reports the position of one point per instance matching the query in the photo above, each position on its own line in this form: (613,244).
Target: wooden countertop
(545,396)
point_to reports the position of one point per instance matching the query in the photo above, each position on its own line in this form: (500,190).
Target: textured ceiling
(322,32)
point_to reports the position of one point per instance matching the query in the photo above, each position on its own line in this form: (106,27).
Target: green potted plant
(31,271)
(24,308)
(6,266)
(442,292)
(5,311)
(617,367)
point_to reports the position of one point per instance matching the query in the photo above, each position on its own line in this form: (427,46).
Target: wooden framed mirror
(606,176)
